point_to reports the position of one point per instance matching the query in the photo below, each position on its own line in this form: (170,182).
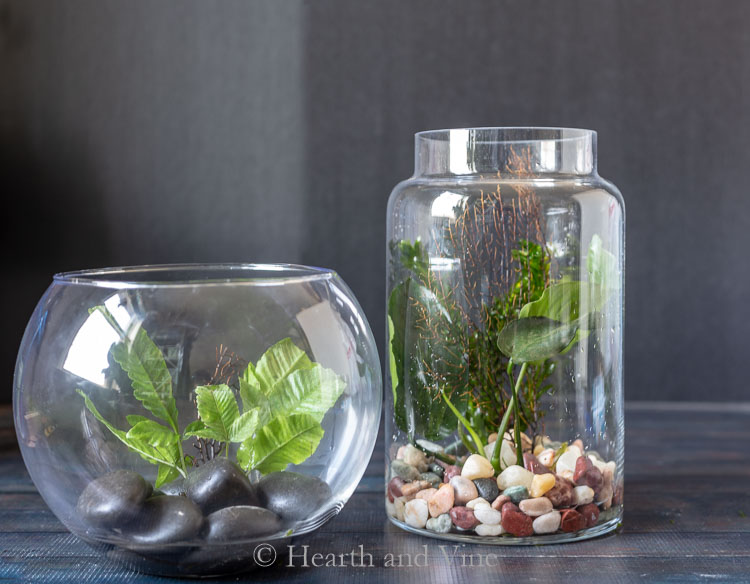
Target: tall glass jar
(505,313)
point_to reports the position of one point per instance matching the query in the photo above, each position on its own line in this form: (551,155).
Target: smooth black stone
(487,489)
(176,487)
(241,522)
(218,484)
(167,519)
(292,496)
(231,558)
(113,500)
(434,467)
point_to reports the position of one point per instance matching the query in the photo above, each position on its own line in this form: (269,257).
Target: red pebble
(450,472)
(582,465)
(590,514)
(531,463)
(394,488)
(587,474)
(515,522)
(561,494)
(572,521)
(463,517)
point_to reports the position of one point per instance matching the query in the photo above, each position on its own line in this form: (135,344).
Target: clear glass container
(505,267)
(187,419)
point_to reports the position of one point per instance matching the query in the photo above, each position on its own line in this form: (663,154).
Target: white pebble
(477,467)
(514,476)
(489,530)
(478,502)
(416,513)
(398,506)
(536,507)
(546,457)
(487,515)
(567,460)
(547,523)
(583,495)
(463,490)
(507,453)
(415,457)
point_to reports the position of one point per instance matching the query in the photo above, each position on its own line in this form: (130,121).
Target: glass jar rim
(194,274)
(525,134)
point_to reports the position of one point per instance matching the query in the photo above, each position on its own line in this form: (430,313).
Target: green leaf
(560,302)
(166,474)
(601,265)
(426,358)
(133,420)
(282,442)
(156,444)
(280,360)
(244,426)
(250,391)
(535,338)
(92,408)
(144,363)
(217,408)
(160,442)
(253,398)
(306,391)
(196,428)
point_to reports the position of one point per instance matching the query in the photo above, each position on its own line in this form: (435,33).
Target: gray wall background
(143,132)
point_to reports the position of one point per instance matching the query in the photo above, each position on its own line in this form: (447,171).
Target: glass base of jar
(207,560)
(609,521)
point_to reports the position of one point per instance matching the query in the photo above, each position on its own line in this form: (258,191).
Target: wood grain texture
(687,519)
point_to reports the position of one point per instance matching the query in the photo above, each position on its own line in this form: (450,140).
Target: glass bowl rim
(133,276)
(534,134)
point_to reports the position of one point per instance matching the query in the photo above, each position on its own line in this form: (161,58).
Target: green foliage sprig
(284,399)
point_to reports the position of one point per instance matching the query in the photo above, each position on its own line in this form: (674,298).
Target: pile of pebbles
(549,494)
(216,504)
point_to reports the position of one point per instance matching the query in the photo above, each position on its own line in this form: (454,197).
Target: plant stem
(465,422)
(512,405)
(501,432)
(466,442)
(517,416)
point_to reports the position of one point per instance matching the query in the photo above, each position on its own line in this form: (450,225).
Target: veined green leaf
(282,442)
(92,408)
(559,301)
(162,444)
(244,426)
(133,420)
(195,428)
(166,474)
(217,408)
(250,393)
(535,338)
(253,397)
(280,360)
(306,391)
(144,363)
(141,441)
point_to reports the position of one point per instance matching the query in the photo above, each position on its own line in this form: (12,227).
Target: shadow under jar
(177,417)
(504,376)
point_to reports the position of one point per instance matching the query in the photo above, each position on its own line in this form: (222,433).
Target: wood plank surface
(687,519)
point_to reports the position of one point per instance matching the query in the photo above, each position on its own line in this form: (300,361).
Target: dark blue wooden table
(687,519)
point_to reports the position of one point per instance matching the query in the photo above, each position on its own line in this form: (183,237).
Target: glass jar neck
(511,152)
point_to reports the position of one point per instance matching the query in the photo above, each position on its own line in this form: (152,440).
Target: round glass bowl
(505,313)
(177,416)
